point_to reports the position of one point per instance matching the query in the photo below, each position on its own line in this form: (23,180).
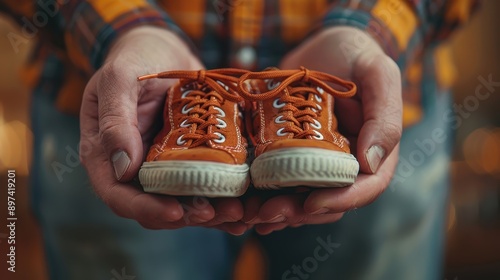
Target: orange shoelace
(304,86)
(204,92)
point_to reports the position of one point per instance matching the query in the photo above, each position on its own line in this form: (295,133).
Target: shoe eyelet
(221,138)
(185,124)
(320,90)
(221,124)
(318,135)
(180,141)
(185,94)
(279,119)
(281,133)
(185,110)
(319,107)
(223,85)
(272,84)
(318,98)
(278,105)
(188,86)
(316,124)
(221,112)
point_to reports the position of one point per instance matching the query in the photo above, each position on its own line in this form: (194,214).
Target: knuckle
(115,75)
(109,76)
(108,130)
(391,67)
(392,132)
(112,126)
(112,71)
(393,76)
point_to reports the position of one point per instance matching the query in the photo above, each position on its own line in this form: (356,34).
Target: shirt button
(246,56)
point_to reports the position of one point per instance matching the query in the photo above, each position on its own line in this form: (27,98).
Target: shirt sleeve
(402,27)
(84,30)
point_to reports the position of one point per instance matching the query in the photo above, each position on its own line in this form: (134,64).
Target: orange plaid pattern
(252,34)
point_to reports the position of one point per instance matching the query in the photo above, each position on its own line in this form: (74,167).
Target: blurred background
(473,245)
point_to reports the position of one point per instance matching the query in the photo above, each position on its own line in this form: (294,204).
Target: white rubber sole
(303,167)
(197,178)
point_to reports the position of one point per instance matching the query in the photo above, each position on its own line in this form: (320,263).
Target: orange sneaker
(201,149)
(294,129)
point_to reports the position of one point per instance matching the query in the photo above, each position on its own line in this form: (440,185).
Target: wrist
(334,49)
(149,40)
(350,39)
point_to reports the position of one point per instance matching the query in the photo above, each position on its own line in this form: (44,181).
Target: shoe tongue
(257,86)
(271,68)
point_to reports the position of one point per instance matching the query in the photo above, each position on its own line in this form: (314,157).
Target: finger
(118,92)
(265,229)
(93,156)
(319,219)
(379,78)
(237,228)
(283,208)
(228,209)
(309,219)
(364,191)
(278,209)
(252,206)
(124,199)
(225,210)
(196,210)
(89,122)
(151,211)
(296,225)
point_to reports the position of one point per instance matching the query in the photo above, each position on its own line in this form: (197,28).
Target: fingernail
(121,162)
(198,220)
(277,219)
(254,220)
(374,156)
(235,233)
(321,211)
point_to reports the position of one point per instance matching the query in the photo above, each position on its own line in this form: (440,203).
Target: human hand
(119,118)
(372,121)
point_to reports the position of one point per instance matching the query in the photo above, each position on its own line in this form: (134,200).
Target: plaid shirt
(252,34)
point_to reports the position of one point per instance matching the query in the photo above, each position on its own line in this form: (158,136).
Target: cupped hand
(372,121)
(118,120)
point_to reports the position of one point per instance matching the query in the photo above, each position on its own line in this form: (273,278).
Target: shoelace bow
(199,103)
(301,99)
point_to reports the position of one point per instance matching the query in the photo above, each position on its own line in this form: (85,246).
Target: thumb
(381,98)
(117,93)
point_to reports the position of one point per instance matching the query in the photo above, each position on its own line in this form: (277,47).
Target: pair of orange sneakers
(211,115)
